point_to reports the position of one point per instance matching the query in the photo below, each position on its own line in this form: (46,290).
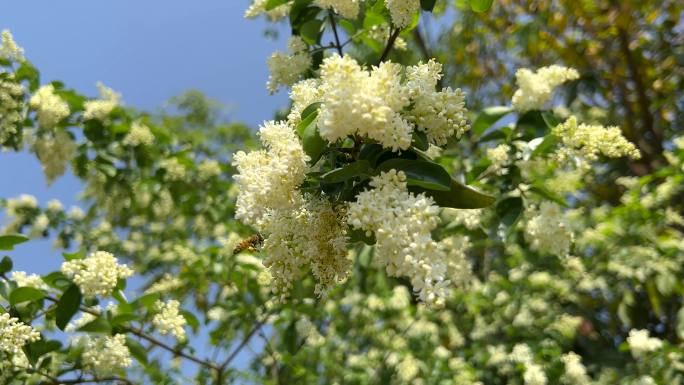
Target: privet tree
(378,232)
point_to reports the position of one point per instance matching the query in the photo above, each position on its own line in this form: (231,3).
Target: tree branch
(390,44)
(334,28)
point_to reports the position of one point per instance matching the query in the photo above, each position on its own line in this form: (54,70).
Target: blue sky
(149,51)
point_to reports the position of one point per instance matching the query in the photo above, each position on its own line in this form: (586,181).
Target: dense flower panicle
(101,108)
(14,334)
(165,284)
(287,69)
(269,178)
(303,94)
(402,11)
(588,141)
(258,7)
(349,9)
(139,134)
(209,168)
(499,158)
(175,170)
(548,230)
(575,372)
(640,342)
(310,236)
(106,355)
(11,106)
(441,114)
(96,274)
(54,154)
(402,223)
(28,280)
(168,319)
(535,88)
(9,50)
(50,108)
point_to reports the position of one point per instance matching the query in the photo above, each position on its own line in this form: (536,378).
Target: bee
(251,244)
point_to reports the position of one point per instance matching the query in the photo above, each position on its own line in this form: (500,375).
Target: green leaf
(654,298)
(28,73)
(459,196)
(36,349)
(310,31)
(312,142)
(509,209)
(544,192)
(67,306)
(550,119)
(488,117)
(190,318)
(71,256)
(307,116)
(7,242)
(98,325)
(420,141)
(147,300)
(480,5)
(680,323)
(122,319)
(546,144)
(428,5)
(349,171)
(5,265)
(26,294)
(270,4)
(137,350)
(420,173)
(360,236)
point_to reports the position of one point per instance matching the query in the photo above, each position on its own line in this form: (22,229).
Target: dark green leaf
(310,31)
(7,242)
(550,119)
(459,196)
(509,209)
(98,325)
(420,173)
(5,265)
(312,142)
(137,350)
(428,5)
(349,171)
(546,144)
(36,349)
(25,294)
(420,140)
(67,306)
(480,5)
(122,319)
(488,117)
(190,318)
(543,192)
(360,236)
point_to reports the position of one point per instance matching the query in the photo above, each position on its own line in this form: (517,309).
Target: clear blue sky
(148,50)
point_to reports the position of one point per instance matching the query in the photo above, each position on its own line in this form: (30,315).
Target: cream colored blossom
(11,107)
(402,11)
(286,69)
(9,50)
(28,280)
(14,334)
(269,178)
(535,88)
(139,134)
(54,154)
(168,320)
(101,108)
(49,107)
(548,230)
(96,274)
(640,343)
(258,7)
(499,158)
(348,9)
(175,170)
(106,355)
(208,169)
(575,372)
(303,94)
(588,141)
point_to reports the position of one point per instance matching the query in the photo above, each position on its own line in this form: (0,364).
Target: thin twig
(334,28)
(244,342)
(390,43)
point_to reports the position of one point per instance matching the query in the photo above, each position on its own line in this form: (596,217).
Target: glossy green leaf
(310,31)
(98,325)
(5,265)
(420,173)
(459,196)
(349,171)
(509,210)
(8,241)
(26,294)
(312,142)
(550,119)
(480,5)
(137,350)
(270,4)
(428,5)
(67,306)
(420,141)
(360,236)
(488,117)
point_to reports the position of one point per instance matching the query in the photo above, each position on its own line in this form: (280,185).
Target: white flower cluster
(139,134)
(499,158)
(96,274)
(348,9)
(14,334)
(209,168)
(168,320)
(175,170)
(286,69)
(54,154)
(49,107)
(402,11)
(28,280)
(402,223)
(534,373)
(535,88)
(377,104)
(640,342)
(310,235)
(268,179)
(9,50)
(106,355)
(258,7)
(11,106)
(586,141)
(548,230)
(101,108)
(575,372)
